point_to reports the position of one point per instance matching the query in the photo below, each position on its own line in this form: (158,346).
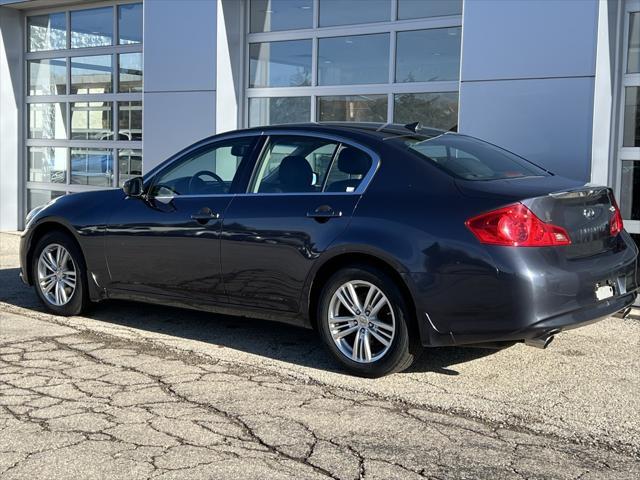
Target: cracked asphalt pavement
(139,391)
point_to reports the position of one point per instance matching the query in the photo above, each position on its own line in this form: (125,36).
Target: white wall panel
(11,92)
(546,121)
(179,76)
(179,45)
(174,120)
(527,79)
(529,38)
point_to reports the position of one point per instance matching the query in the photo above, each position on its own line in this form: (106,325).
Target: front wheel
(58,272)
(364,321)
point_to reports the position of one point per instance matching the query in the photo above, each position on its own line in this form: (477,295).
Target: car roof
(372,129)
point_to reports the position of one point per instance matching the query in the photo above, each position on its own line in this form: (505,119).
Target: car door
(301,196)
(168,241)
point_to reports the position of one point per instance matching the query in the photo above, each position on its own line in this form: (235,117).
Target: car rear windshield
(469,158)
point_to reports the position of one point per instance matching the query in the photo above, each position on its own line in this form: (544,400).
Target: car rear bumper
(523,294)
(549,326)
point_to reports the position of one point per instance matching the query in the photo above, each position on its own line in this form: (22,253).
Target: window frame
(315,33)
(341,142)
(68,53)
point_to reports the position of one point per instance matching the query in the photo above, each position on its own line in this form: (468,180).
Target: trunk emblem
(589,213)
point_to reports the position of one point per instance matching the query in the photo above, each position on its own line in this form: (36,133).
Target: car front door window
(209,171)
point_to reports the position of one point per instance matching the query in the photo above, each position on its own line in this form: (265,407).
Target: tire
(392,323)
(74,300)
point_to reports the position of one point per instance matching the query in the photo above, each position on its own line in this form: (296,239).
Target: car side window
(293,164)
(209,171)
(348,170)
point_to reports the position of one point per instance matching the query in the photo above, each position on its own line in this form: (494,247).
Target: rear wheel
(59,276)
(364,321)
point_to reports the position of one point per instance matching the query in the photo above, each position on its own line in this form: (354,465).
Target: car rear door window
(301,164)
(293,164)
(209,171)
(348,170)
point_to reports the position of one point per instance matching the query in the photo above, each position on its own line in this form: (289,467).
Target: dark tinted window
(470,158)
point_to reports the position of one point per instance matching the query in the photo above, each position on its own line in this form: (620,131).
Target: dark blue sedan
(384,238)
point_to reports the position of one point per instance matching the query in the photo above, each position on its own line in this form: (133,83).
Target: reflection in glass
(278,110)
(91,74)
(432,8)
(129,164)
(92,166)
(48,76)
(48,120)
(436,110)
(428,55)
(633,54)
(92,28)
(38,197)
(47,32)
(352,108)
(275,15)
(130,23)
(630,190)
(280,64)
(47,164)
(130,120)
(349,12)
(631,137)
(353,60)
(91,121)
(130,78)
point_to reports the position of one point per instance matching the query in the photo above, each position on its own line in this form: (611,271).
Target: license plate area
(604,291)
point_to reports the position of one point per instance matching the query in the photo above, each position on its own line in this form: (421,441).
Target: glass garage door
(83,99)
(353,60)
(629,152)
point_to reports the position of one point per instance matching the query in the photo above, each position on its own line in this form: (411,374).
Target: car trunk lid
(584,211)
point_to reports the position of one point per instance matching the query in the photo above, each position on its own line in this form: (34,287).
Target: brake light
(616,225)
(516,226)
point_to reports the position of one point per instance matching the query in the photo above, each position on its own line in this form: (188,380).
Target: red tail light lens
(616,225)
(516,226)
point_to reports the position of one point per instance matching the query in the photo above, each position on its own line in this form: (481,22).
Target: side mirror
(133,187)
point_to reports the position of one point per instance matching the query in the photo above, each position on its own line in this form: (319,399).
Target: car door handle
(324,212)
(205,215)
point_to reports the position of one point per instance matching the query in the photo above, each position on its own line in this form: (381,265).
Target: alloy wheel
(56,274)
(361,321)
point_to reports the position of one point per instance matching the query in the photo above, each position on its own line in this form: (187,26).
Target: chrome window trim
(364,184)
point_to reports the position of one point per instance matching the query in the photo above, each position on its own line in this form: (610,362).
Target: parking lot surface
(140,391)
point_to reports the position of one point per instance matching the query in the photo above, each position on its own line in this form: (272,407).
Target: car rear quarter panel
(412,218)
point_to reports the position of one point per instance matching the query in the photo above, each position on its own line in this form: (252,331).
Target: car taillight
(616,225)
(516,226)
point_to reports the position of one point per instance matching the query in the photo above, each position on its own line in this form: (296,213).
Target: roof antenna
(414,127)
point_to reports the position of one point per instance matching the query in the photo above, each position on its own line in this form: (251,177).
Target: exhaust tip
(541,342)
(624,313)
